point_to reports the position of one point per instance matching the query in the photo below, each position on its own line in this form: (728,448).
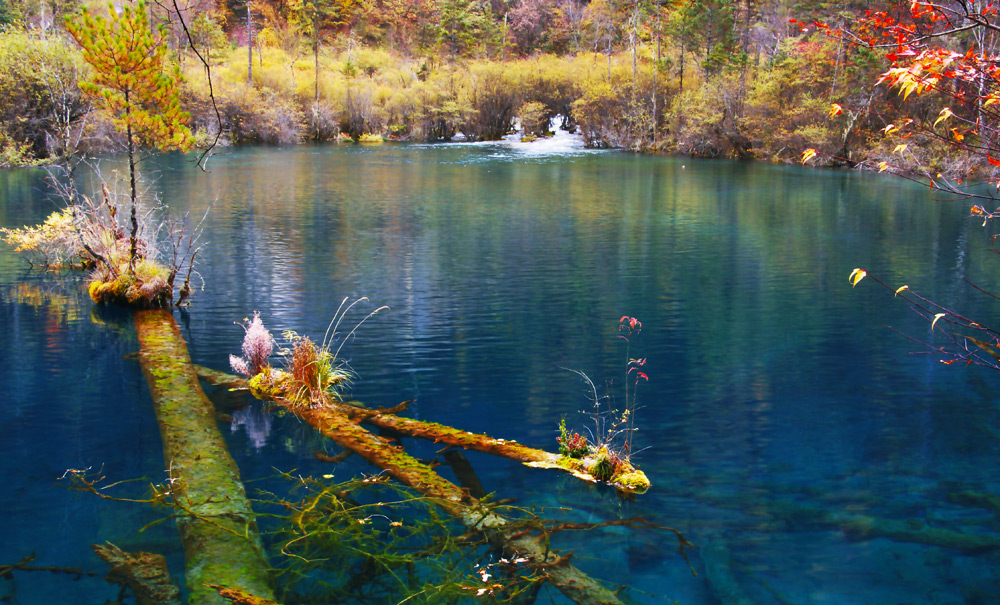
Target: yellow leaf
(936,318)
(891,128)
(959,137)
(808,154)
(990,101)
(836,110)
(899,149)
(882,166)
(901,289)
(856,276)
(944,115)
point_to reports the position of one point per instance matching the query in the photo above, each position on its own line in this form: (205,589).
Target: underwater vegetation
(305,389)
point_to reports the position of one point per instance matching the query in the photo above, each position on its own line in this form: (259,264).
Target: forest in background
(713,78)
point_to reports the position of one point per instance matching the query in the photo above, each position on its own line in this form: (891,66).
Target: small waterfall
(560,143)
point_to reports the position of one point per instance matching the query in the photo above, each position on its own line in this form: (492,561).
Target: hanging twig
(203,158)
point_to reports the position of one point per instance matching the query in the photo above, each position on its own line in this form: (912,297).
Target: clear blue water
(777,399)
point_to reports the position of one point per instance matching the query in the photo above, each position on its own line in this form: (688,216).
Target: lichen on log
(216,523)
(240,597)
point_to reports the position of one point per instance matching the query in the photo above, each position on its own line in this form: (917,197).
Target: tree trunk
(249,48)
(133,195)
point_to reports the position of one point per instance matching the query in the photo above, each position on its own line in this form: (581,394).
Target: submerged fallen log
(145,573)
(629,479)
(341,423)
(221,544)
(333,423)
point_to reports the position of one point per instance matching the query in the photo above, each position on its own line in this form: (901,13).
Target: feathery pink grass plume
(258,344)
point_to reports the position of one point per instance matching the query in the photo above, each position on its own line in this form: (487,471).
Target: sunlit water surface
(779,409)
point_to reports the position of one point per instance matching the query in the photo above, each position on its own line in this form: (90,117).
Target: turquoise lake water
(782,416)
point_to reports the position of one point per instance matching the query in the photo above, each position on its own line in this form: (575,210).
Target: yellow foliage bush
(54,243)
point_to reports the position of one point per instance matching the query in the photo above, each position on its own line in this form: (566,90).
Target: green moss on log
(625,477)
(220,538)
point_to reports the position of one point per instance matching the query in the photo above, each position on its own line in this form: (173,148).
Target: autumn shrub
(97,235)
(41,106)
(54,243)
(371,61)
(607,455)
(427,111)
(783,135)
(534,118)
(313,374)
(15,154)
(322,121)
(252,116)
(620,108)
(549,80)
(703,120)
(357,116)
(597,113)
(787,105)
(493,100)
(140,279)
(573,444)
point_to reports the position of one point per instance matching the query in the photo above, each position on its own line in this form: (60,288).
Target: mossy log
(221,544)
(341,423)
(716,556)
(793,515)
(145,573)
(916,531)
(628,479)
(332,422)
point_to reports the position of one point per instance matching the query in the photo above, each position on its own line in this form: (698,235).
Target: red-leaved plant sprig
(609,424)
(629,327)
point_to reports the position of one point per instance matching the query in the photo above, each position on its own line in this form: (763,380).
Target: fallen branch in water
(632,480)
(341,423)
(22,565)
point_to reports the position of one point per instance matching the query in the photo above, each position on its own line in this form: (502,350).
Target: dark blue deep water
(781,417)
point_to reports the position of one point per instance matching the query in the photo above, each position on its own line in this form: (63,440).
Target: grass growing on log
(314,373)
(607,455)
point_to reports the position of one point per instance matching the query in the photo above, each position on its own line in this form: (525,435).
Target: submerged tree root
(22,565)
(221,544)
